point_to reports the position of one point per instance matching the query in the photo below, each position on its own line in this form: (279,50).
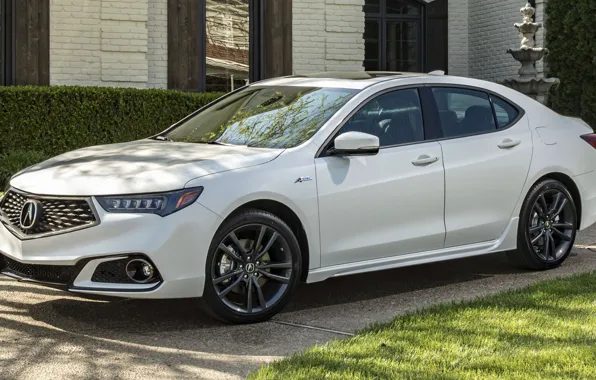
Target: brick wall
(75,42)
(491,33)
(157,48)
(108,42)
(327,35)
(458,39)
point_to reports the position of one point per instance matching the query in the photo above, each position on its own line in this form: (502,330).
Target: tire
(258,257)
(547,229)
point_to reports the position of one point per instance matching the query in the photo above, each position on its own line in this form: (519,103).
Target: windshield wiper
(162,138)
(222,144)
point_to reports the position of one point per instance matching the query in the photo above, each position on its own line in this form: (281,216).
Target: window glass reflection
(227,44)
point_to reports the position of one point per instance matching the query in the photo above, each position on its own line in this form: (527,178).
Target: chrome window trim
(17,233)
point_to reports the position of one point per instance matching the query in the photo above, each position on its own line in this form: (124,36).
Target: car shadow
(368,286)
(177,333)
(117,316)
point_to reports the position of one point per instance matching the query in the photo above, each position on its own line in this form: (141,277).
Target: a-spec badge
(303,179)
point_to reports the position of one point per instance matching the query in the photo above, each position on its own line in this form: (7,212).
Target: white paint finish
(320,82)
(506,242)
(586,184)
(177,245)
(275,182)
(483,183)
(138,167)
(380,206)
(548,136)
(356,141)
(382,218)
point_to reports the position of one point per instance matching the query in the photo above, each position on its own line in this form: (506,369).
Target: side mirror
(355,144)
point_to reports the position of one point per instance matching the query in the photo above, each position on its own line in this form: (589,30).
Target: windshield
(265,117)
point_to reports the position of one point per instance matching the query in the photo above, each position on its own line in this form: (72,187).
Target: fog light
(140,271)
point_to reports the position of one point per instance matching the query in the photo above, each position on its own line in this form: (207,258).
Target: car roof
(351,79)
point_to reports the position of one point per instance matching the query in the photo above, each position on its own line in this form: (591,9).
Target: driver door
(384,205)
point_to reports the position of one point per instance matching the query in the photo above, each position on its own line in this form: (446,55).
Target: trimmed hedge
(570,36)
(40,122)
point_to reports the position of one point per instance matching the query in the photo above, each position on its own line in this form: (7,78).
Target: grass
(546,331)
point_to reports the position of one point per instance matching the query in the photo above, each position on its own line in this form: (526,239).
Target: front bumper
(177,245)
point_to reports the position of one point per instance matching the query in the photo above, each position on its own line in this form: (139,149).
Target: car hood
(145,166)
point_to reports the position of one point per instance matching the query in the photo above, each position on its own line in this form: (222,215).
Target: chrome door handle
(508,144)
(425,160)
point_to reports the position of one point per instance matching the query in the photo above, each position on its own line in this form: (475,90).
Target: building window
(6,43)
(393,35)
(219,45)
(227,44)
(396,34)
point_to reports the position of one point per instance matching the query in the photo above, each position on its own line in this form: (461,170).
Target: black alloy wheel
(548,226)
(252,268)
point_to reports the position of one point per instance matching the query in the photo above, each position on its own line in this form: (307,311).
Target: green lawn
(545,331)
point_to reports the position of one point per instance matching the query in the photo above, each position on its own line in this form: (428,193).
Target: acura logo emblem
(250,267)
(30,214)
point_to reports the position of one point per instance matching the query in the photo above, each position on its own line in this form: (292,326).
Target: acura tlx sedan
(304,178)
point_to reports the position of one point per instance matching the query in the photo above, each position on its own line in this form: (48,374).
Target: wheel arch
(288,215)
(570,185)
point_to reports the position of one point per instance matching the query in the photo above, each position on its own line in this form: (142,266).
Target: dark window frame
(7,43)
(431,100)
(383,16)
(323,151)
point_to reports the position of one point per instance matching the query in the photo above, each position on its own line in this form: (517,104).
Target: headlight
(162,204)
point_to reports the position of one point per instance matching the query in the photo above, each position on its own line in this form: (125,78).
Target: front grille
(55,274)
(57,214)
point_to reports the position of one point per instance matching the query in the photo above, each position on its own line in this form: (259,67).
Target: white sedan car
(304,178)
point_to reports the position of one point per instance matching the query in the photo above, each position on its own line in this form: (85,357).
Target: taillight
(590,139)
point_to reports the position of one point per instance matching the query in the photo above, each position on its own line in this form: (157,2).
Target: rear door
(487,149)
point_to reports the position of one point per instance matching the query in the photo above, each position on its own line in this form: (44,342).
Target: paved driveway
(46,334)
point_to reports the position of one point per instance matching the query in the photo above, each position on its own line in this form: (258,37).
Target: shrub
(570,37)
(15,160)
(41,122)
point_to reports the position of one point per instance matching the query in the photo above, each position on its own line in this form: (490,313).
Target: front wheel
(253,266)
(547,228)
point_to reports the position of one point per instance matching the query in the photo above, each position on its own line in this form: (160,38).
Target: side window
(394,117)
(505,112)
(464,112)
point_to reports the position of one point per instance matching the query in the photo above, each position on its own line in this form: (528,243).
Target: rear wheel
(252,268)
(547,228)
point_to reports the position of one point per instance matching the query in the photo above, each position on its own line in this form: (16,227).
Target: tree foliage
(570,31)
